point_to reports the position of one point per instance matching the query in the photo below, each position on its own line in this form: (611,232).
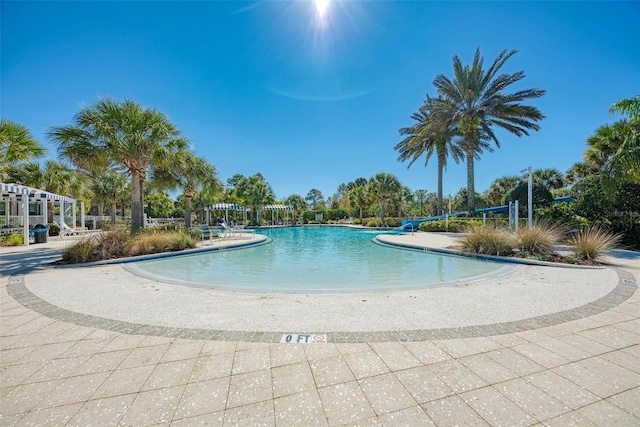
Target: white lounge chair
(236,232)
(65,230)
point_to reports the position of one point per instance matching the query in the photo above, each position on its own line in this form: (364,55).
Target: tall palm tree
(426,136)
(359,198)
(421,198)
(477,103)
(114,186)
(297,202)
(128,133)
(385,188)
(17,145)
(256,192)
(190,173)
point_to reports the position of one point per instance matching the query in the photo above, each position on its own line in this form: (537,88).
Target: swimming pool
(317,259)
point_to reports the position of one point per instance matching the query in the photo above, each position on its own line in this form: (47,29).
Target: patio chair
(206,233)
(65,230)
(237,231)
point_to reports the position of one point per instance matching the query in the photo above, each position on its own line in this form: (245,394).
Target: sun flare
(321,7)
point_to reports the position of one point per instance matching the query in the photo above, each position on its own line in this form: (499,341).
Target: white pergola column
(25,215)
(82,215)
(45,213)
(73,214)
(62,212)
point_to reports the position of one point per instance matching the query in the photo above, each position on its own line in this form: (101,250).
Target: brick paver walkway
(581,372)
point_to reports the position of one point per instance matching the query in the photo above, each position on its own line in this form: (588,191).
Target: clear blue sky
(312,103)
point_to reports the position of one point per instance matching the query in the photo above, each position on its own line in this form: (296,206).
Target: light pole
(529,196)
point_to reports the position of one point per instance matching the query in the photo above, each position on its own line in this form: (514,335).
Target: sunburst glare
(321,7)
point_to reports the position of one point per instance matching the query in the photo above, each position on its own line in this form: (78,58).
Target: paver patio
(580,372)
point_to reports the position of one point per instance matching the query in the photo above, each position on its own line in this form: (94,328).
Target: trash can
(40,233)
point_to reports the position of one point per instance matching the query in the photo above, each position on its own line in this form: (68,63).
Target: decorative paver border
(624,290)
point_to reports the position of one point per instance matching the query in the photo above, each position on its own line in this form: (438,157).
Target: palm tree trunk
(141,196)
(114,211)
(49,211)
(101,208)
(471,196)
(136,202)
(187,211)
(440,169)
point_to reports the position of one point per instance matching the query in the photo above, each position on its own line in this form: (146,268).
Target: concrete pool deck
(75,365)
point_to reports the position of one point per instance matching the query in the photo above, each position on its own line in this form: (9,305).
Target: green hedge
(327,214)
(455,225)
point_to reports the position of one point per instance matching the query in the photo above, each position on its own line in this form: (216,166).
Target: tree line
(122,154)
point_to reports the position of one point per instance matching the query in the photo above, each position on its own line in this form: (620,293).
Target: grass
(489,240)
(12,240)
(540,239)
(119,244)
(590,243)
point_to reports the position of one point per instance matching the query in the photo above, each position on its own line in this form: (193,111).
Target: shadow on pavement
(27,261)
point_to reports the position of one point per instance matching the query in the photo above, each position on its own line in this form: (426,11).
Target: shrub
(112,244)
(589,243)
(144,244)
(371,223)
(540,239)
(12,240)
(393,222)
(488,239)
(180,241)
(456,225)
(118,243)
(83,251)
(54,230)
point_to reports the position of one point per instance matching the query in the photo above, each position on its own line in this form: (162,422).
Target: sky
(311,99)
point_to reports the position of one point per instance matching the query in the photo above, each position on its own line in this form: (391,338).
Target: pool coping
(625,288)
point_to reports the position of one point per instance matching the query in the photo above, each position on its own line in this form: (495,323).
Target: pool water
(316,259)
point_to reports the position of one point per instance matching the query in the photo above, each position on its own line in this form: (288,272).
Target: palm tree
(255,191)
(17,145)
(499,188)
(629,106)
(475,102)
(54,177)
(421,198)
(385,188)
(549,178)
(129,134)
(297,202)
(115,187)
(359,199)
(190,173)
(427,135)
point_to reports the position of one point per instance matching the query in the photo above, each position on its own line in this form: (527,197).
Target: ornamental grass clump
(119,244)
(489,240)
(540,239)
(589,243)
(83,251)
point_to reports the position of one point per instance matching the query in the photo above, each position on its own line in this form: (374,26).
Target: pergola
(19,199)
(276,208)
(226,207)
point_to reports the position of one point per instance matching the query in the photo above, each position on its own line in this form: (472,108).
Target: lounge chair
(206,233)
(65,230)
(237,232)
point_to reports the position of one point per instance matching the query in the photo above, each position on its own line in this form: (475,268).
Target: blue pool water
(316,259)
